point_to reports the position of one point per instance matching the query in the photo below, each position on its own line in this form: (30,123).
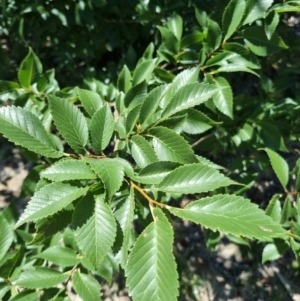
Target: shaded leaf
(90,100)
(214,35)
(135,95)
(271,23)
(6,236)
(169,40)
(124,80)
(131,118)
(7,86)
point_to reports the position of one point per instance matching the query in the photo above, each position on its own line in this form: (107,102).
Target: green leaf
(271,23)
(193,178)
(135,95)
(231,214)
(223,98)
(174,123)
(25,129)
(30,70)
(274,208)
(201,17)
(109,171)
(274,251)
(131,118)
(189,96)
(41,277)
(151,268)
(232,17)
(61,256)
(28,295)
(90,100)
(163,75)
(70,122)
(154,173)
(101,128)
(169,40)
(47,79)
(255,9)
(68,169)
(257,41)
(6,86)
(192,39)
(6,236)
(184,78)
(86,286)
(124,80)
(49,200)
(96,236)
(151,103)
(124,215)
(175,25)
(286,7)
(169,146)
(143,71)
(141,151)
(214,35)
(208,163)
(279,166)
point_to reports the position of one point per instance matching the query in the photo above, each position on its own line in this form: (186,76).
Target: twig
(201,139)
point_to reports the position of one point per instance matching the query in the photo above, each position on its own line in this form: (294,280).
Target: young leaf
(124,80)
(61,256)
(193,178)
(49,200)
(143,71)
(232,17)
(151,268)
(41,277)
(135,95)
(90,100)
(274,251)
(189,96)
(279,166)
(6,86)
(256,40)
(175,25)
(6,236)
(30,70)
(68,169)
(255,9)
(70,122)
(169,146)
(231,214)
(86,286)
(25,129)
(223,98)
(101,128)
(96,236)
(124,215)
(274,208)
(155,172)
(109,171)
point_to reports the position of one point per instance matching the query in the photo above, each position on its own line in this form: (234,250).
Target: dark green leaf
(6,235)
(6,86)
(135,95)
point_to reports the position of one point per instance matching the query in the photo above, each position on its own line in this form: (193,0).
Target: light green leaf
(151,103)
(231,214)
(86,286)
(169,39)
(70,122)
(30,70)
(201,17)
(28,295)
(170,146)
(151,268)
(124,80)
(49,200)
(96,236)
(286,7)
(143,71)
(271,23)
(109,171)
(141,151)
(214,35)
(154,173)
(6,86)
(101,128)
(274,251)
(68,169)
(25,129)
(131,118)
(61,256)
(223,98)
(235,67)
(274,208)
(6,235)
(255,9)
(279,166)
(41,277)
(189,96)
(175,25)
(90,100)
(257,41)
(193,178)
(184,78)
(232,17)
(124,215)
(135,95)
